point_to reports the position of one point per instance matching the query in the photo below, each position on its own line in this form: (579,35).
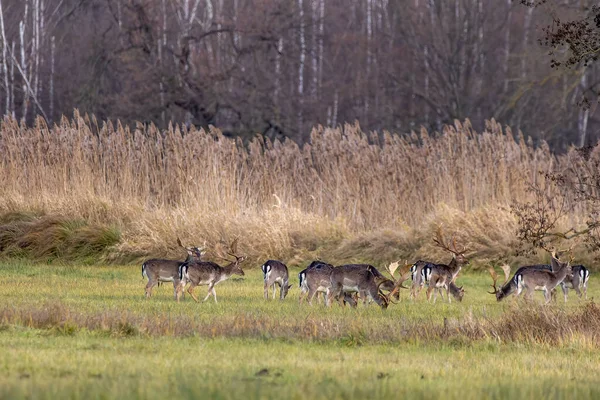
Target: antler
(441,243)
(495,279)
(506,269)
(392,268)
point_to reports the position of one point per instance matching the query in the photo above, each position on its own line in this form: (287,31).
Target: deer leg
(214,293)
(429,290)
(274,289)
(175,285)
(266,287)
(179,290)
(310,295)
(547,295)
(302,296)
(565,290)
(529,293)
(190,289)
(149,287)
(210,286)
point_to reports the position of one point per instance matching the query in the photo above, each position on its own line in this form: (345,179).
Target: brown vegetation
(344,195)
(529,324)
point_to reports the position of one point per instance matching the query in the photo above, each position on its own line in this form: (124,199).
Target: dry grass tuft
(345,194)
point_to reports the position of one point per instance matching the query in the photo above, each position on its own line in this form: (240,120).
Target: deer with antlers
(159,270)
(531,278)
(208,273)
(356,278)
(442,276)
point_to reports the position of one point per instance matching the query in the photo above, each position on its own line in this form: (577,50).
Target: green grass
(88,332)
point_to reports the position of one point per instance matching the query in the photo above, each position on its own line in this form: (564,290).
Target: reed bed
(282,199)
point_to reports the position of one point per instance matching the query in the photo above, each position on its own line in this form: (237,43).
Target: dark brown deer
(208,273)
(275,273)
(159,270)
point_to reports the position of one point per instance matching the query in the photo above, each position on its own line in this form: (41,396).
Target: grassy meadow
(84,201)
(88,332)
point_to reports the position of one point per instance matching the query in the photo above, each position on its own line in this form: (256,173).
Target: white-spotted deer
(208,273)
(159,270)
(276,273)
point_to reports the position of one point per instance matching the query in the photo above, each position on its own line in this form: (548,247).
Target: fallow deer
(351,278)
(276,273)
(384,283)
(440,276)
(531,278)
(160,270)
(577,280)
(415,275)
(315,279)
(208,273)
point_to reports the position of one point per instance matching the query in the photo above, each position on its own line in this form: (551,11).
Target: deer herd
(347,284)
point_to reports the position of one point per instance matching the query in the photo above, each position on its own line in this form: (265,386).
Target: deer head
(197,252)
(235,265)
(499,293)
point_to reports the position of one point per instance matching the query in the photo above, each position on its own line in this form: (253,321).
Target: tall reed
(343,182)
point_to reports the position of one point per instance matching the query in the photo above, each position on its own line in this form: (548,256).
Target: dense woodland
(280,67)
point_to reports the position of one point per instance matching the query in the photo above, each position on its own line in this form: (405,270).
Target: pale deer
(275,274)
(355,278)
(208,273)
(440,276)
(529,279)
(314,279)
(160,270)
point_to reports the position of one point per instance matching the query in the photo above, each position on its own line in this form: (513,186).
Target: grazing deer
(578,280)
(159,270)
(384,283)
(353,278)
(440,276)
(315,279)
(415,275)
(532,278)
(276,273)
(208,273)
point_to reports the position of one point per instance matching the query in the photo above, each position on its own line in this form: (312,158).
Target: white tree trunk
(4,59)
(52,52)
(302,40)
(507,46)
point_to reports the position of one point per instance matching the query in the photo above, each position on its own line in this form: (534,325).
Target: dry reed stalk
(158,183)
